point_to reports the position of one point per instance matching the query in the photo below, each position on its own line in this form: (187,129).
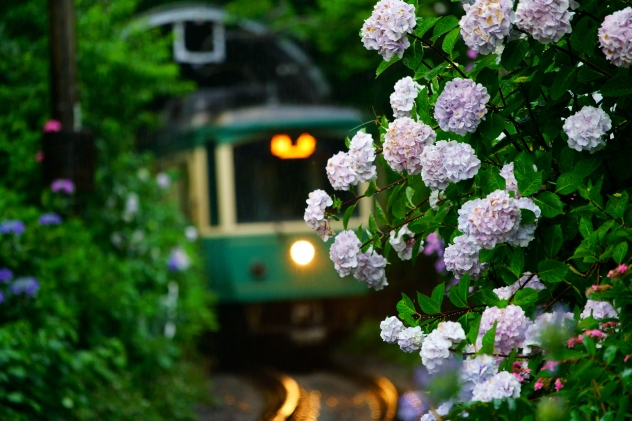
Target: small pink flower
(575,340)
(538,384)
(550,365)
(471,53)
(595,333)
(52,126)
(518,376)
(63,185)
(620,270)
(627,357)
(39,156)
(558,384)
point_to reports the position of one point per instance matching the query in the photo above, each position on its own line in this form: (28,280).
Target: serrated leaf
(563,81)
(617,86)
(492,126)
(424,24)
(513,54)
(585,227)
(406,309)
(485,296)
(526,216)
(393,196)
(371,190)
(550,204)
(485,255)
(553,240)
(385,65)
(516,261)
(619,252)
(435,71)
(438,293)
(616,205)
(586,74)
(489,79)
(446,24)
(459,292)
(450,40)
(380,215)
(526,298)
(587,166)
(427,304)
(552,271)
(348,214)
(584,36)
(488,341)
(410,192)
(567,183)
(372,224)
(529,182)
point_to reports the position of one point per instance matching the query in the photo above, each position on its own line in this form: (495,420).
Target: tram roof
(242,125)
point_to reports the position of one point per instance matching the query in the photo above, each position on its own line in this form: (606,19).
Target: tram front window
(270,189)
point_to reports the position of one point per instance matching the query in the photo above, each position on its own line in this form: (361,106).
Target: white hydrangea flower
(344,252)
(452,331)
(339,171)
(314,217)
(486,23)
(461,106)
(533,335)
(191,233)
(435,351)
(436,196)
(598,310)
(510,330)
(371,269)
(404,248)
(362,155)
(502,385)
(442,410)
(615,34)
(545,20)
(163,180)
(526,281)
(404,142)
(387,28)
(410,339)
(586,129)
(525,232)
(391,328)
(491,220)
(403,98)
(462,257)
(511,184)
(448,162)
(132,206)
(476,370)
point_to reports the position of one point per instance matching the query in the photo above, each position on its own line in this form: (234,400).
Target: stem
(443,56)
(556,298)
(383,233)
(521,286)
(587,63)
(535,124)
(362,196)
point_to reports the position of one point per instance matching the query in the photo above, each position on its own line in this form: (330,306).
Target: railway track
(326,395)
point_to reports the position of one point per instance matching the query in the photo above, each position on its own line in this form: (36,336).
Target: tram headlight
(302,252)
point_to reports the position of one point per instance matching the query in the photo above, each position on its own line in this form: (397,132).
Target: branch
(443,56)
(362,196)
(521,286)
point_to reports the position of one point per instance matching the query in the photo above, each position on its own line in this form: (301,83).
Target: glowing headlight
(302,252)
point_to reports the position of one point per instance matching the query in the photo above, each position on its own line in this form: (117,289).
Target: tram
(252,142)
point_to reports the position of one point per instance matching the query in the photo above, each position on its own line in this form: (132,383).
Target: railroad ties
(327,395)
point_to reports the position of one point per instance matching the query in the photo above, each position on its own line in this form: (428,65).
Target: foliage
(582,212)
(96,340)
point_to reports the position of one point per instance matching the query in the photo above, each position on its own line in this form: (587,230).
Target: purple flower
(461,106)
(614,37)
(386,29)
(63,185)
(12,227)
(178,260)
(433,244)
(26,285)
(50,219)
(52,126)
(5,275)
(411,406)
(2,299)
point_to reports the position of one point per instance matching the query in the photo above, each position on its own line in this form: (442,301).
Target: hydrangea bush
(525,151)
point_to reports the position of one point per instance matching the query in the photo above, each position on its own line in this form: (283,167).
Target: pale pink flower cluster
(476,370)
(510,330)
(387,28)
(500,386)
(598,310)
(391,328)
(615,35)
(435,348)
(347,169)
(545,20)
(486,23)
(586,129)
(410,339)
(318,201)
(462,257)
(526,281)
(461,106)
(348,259)
(511,184)
(404,142)
(448,162)
(403,98)
(371,269)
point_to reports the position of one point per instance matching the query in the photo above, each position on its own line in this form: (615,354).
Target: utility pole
(69,152)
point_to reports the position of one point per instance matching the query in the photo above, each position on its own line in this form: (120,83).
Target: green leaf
(587,166)
(406,309)
(553,240)
(486,255)
(550,204)
(514,53)
(435,71)
(424,24)
(584,36)
(459,292)
(617,204)
(586,74)
(485,296)
(563,81)
(529,182)
(380,215)
(446,24)
(526,298)
(516,261)
(488,341)
(393,196)
(552,271)
(492,126)
(620,250)
(526,216)
(450,40)
(568,182)
(475,323)
(438,293)
(568,158)
(489,79)
(371,190)
(385,65)
(413,58)
(348,214)
(372,224)
(617,86)
(490,180)
(585,227)
(427,304)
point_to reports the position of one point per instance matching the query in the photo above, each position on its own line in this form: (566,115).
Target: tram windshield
(270,189)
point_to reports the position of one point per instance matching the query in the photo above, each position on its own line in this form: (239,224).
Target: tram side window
(270,189)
